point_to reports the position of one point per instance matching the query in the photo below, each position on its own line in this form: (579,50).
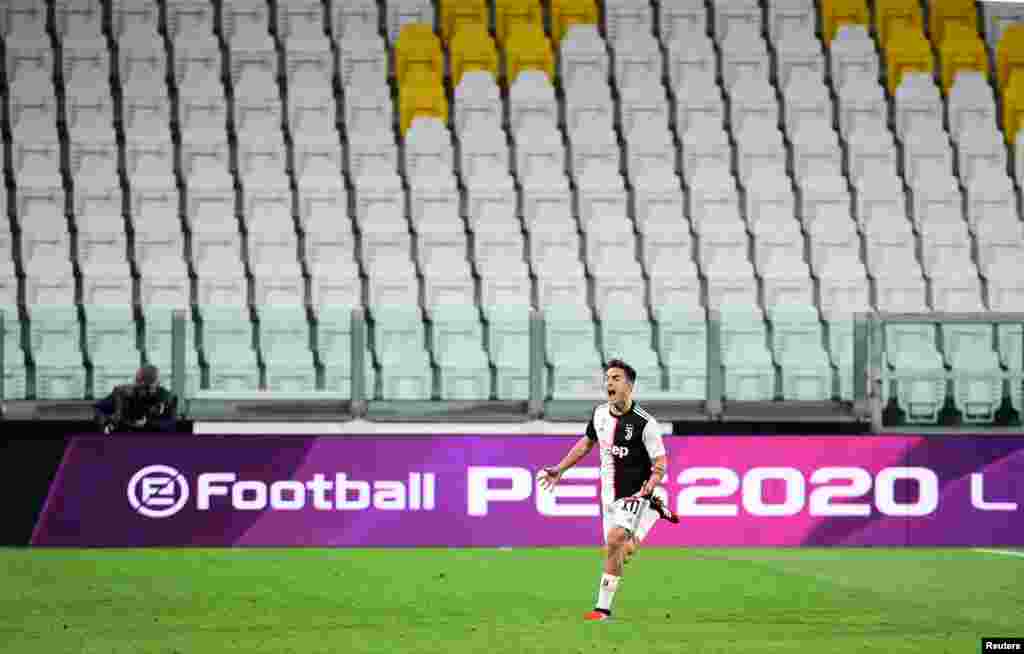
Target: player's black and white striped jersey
(628,445)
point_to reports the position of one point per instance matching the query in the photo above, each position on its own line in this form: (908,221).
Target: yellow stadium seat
(836,13)
(528,49)
(962,49)
(456,14)
(422,96)
(908,52)
(1009,53)
(513,12)
(943,13)
(418,50)
(473,49)
(1013,106)
(565,13)
(892,16)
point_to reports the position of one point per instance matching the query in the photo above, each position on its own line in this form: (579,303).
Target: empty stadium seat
(869,146)
(728,14)
(363,54)
(566,13)
(398,340)
(624,16)
(822,197)
(1007,53)
(111,346)
(852,54)
(571,352)
(284,339)
(682,345)
(699,104)
(509,13)
(637,56)
(799,52)
(947,15)
(912,356)
(690,55)
(981,147)
(300,21)
(472,49)
(583,53)
(759,149)
(908,51)
(228,349)
(713,193)
(22,20)
(918,104)
(779,262)
(457,342)
(744,54)
(56,351)
(508,338)
(422,97)
(926,153)
(791,18)
(746,360)
(970,102)
(477,100)
(333,338)
(704,147)
(839,13)
(991,189)
(797,348)
(977,386)
(626,334)
(14,370)
(961,50)
(428,150)
(455,16)
(79,20)
(244,21)
(528,49)
(588,103)
(483,153)
(354,17)
(941,195)
(677,20)
(592,149)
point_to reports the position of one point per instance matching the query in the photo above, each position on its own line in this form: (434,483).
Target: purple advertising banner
(480,491)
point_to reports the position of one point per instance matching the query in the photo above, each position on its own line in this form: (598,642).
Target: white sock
(606,591)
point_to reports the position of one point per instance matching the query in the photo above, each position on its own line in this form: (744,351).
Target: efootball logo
(158,491)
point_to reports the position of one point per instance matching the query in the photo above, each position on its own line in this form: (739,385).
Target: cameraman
(142,406)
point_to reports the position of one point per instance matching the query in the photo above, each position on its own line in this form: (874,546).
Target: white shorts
(636,519)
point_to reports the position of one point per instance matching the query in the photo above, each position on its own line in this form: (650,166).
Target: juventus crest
(629,431)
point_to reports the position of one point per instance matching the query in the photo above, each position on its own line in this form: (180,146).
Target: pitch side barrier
(481,491)
(868,399)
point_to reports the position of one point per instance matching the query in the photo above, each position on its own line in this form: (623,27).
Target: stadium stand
(503,194)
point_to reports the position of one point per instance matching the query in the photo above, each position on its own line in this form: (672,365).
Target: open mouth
(611,394)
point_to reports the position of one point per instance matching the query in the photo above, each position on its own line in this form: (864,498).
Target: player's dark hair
(625,367)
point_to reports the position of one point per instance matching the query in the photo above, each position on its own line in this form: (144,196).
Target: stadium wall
(479,491)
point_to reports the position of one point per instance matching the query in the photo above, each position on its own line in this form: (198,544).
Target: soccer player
(633,463)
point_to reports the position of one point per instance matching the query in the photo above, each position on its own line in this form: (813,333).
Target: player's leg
(622,516)
(648,518)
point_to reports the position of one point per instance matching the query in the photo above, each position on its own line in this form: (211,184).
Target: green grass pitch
(491,601)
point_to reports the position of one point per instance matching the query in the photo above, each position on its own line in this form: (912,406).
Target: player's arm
(658,468)
(659,460)
(549,476)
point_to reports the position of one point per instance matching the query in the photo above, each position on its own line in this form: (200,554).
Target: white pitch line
(1004,552)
